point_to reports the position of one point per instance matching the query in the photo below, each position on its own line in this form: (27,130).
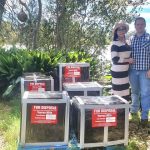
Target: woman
(120,55)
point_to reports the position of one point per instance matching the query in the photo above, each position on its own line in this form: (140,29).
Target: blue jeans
(140,92)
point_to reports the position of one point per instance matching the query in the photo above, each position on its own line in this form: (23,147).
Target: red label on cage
(44,114)
(72,72)
(36,86)
(104,117)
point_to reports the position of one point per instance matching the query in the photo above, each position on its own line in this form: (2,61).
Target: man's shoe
(134,117)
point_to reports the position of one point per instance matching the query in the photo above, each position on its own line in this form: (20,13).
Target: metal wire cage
(71,72)
(36,82)
(45,118)
(108,126)
(83,89)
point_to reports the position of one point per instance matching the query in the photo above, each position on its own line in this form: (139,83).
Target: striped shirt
(119,70)
(140,51)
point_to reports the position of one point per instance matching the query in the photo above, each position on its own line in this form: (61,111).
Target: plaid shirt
(140,51)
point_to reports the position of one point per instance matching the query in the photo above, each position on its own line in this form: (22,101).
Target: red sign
(44,114)
(104,117)
(36,86)
(72,72)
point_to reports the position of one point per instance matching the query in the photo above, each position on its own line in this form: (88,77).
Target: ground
(1,142)
(139,137)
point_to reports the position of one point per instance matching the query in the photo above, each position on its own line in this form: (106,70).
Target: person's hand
(148,74)
(130,60)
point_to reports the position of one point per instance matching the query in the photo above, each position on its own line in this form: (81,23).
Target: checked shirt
(140,51)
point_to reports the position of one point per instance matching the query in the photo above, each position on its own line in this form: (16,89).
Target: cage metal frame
(76,64)
(105,142)
(24,79)
(83,88)
(45,100)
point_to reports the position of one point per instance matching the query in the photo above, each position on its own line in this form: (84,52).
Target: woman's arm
(114,54)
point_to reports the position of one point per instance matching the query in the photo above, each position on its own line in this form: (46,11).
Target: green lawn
(10,123)
(139,138)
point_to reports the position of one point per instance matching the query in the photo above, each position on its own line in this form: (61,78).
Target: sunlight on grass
(11,136)
(10,123)
(136,144)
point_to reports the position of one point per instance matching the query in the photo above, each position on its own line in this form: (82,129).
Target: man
(139,74)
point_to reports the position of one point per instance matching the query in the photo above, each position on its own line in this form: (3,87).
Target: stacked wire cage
(36,82)
(83,89)
(71,72)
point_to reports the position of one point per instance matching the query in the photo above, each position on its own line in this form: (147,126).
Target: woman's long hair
(115,36)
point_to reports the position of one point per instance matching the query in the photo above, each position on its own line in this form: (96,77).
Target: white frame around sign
(105,142)
(45,100)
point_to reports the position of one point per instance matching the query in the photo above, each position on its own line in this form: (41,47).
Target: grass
(139,138)
(10,123)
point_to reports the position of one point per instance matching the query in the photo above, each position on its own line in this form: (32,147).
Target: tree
(67,24)
(2,4)
(86,24)
(33,23)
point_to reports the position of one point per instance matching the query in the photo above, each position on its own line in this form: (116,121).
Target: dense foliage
(14,62)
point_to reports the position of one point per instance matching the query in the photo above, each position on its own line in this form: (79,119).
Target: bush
(14,62)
